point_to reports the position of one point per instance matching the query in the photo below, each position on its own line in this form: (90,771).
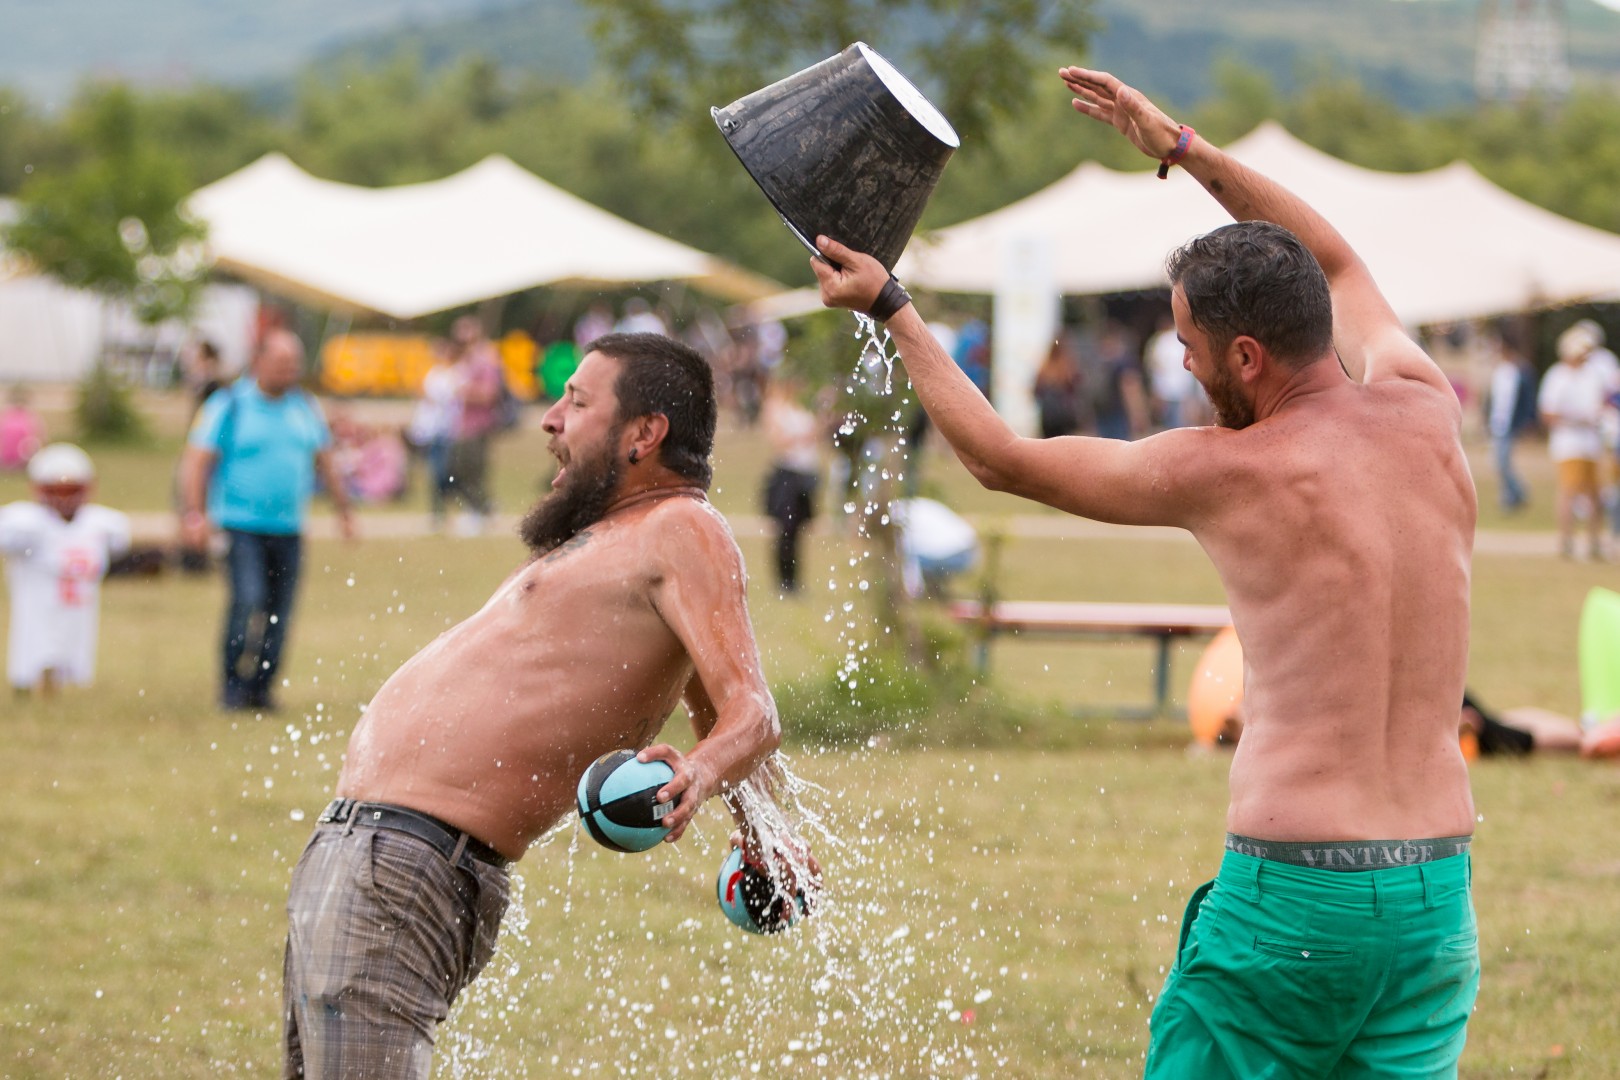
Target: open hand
(854,282)
(1102,97)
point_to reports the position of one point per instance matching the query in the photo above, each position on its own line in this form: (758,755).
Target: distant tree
(111,223)
(398,122)
(207,129)
(29,141)
(677,57)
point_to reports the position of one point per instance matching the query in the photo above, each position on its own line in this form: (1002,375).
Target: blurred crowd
(837,444)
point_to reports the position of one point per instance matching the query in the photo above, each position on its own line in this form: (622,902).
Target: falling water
(874,983)
(624,966)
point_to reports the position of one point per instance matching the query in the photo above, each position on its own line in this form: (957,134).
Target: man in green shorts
(1334,498)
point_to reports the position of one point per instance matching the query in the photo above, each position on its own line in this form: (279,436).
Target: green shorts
(1288,971)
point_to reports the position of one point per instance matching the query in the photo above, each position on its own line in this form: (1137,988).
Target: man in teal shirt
(249,469)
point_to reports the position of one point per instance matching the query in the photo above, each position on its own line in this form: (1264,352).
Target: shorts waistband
(1350,855)
(449,841)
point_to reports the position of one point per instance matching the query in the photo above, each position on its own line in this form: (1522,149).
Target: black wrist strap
(890,300)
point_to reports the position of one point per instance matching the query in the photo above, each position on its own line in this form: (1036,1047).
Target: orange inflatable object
(1468,743)
(1602,741)
(1215,694)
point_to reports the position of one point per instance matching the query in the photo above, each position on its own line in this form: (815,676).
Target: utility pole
(1522,52)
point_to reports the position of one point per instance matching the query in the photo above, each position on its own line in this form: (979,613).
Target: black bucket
(847,148)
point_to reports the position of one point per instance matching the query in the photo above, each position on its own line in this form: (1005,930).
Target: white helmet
(60,463)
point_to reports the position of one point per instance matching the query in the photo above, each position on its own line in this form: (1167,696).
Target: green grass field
(1005,910)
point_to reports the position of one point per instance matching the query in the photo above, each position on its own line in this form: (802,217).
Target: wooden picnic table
(1163,623)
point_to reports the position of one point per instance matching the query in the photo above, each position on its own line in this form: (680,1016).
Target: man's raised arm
(1370,339)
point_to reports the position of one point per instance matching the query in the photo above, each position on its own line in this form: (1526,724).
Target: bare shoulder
(1390,358)
(692,515)
(1193,458)
(1421,401)
(691,536)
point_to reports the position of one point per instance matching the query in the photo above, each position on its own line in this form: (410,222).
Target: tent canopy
(413,250)
(1443,245)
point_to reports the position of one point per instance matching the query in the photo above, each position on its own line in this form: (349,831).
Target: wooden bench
(1163,623)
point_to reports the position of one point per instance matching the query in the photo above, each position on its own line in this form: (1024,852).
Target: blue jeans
(1513,493)
(263,574)
(437,456)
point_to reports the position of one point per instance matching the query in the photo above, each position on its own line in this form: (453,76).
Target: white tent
(52,333)
(407,251)
(1443,245)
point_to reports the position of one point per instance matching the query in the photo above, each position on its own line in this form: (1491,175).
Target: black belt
(445,838)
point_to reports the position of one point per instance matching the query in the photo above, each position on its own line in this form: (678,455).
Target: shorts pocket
(404,872)
(1303,990)
(1304,951)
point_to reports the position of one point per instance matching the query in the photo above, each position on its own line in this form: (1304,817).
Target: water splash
(876,350)
(880,980)
(877,478)
(623,966)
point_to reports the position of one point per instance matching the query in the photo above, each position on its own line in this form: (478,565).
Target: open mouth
(561,455)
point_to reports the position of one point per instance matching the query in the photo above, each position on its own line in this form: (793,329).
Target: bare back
(579,652)
(1343,536)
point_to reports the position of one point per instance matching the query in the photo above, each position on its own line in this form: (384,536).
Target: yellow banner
(393,365)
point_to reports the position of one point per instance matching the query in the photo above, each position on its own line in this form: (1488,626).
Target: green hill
(47,48)
(1418,53)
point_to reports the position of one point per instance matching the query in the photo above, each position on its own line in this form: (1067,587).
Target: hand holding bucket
(850,279)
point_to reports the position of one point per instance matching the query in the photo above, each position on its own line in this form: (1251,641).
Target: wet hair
(660,376)
(1256,279)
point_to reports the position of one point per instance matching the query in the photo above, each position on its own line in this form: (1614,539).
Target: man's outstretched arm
(701,596)
(1371,341)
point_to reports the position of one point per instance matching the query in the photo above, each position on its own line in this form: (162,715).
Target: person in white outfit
(1573,395)
(433,426)
(1173,385)
(57,549)
(936,543)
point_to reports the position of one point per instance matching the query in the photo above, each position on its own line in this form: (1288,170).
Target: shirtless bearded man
(633,601)
(1339,937)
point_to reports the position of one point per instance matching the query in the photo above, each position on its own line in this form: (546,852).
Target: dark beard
(1231,411)
(572,508)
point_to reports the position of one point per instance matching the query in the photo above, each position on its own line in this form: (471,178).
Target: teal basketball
(752,901)
(618,801)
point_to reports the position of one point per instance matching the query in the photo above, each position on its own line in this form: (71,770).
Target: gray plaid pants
(382,934)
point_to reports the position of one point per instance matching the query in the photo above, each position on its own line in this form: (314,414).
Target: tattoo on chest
(573,543)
